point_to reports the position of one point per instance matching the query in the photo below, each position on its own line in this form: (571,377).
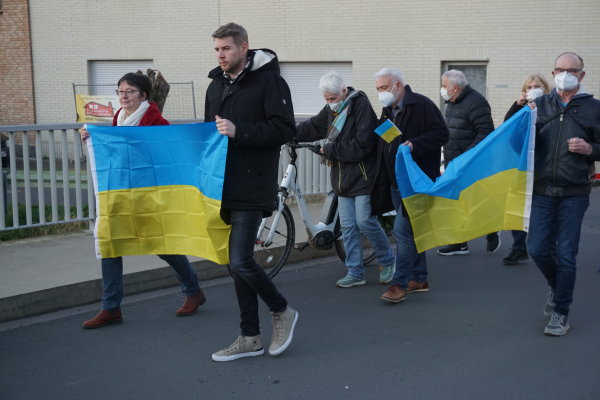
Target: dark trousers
(249,278)
(553,241)
(519,240)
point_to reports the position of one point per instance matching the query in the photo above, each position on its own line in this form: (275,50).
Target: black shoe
(454,249)
(515,257)
(493,243)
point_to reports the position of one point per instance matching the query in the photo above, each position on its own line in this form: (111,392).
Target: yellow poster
(96,108)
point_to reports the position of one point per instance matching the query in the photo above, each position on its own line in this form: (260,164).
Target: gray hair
(455,77)
(332,82)
(395,73)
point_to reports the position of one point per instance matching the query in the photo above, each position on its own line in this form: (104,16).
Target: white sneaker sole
(357,283)
(238,356)
(551,332)
(455,253)
(286,344)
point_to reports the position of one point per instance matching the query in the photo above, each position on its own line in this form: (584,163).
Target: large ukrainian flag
(484,190)
(158,190)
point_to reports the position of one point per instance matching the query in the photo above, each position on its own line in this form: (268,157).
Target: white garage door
(303,79)
(109,72)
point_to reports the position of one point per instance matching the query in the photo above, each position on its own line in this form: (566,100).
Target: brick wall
(513,37)
(16,83)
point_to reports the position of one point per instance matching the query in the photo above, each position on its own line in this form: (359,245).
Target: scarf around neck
(340,119)
(135,118)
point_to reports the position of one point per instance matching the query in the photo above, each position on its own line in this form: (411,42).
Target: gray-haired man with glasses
(567,144)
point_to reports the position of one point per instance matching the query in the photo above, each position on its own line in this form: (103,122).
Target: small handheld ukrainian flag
(388,131)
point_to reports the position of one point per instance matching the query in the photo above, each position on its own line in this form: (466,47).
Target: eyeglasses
(569,70)
(128,92)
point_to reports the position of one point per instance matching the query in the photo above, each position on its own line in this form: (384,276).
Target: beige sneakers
(283,330)
(244,346)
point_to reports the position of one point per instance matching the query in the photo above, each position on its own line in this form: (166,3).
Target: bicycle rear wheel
(272,256)
(368,252)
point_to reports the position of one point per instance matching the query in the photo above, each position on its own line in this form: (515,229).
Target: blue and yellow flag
(484,190)
(158,190)
(388,131)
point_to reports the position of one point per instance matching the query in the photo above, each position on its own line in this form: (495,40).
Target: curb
(86,292)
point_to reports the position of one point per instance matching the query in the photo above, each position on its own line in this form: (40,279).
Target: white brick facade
(514,38)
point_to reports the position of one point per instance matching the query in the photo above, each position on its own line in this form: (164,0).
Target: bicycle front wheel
(273,255)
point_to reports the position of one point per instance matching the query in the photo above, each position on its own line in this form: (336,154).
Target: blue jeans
(356,218)
(519,240)
(553,242)
(410,265)
(112,278)
(250,280)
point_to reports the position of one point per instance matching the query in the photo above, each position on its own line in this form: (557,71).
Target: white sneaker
(244,346)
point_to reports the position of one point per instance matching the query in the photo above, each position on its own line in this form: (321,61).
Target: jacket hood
(259,60)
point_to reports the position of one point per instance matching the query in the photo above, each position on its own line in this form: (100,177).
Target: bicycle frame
(289,188)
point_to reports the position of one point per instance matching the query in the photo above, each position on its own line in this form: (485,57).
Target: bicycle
(276,234)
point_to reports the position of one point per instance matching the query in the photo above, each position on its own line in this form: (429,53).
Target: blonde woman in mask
(534,86)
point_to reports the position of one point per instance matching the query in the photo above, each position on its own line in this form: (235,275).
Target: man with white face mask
(469,120)
(566,146)
(347,123)
(424,132)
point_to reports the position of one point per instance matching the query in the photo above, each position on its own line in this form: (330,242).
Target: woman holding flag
(534,86)
(346,123)
(134,91)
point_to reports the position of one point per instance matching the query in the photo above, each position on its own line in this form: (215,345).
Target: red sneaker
(103,318)
(191,304)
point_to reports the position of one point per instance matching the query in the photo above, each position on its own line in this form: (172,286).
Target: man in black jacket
(469,120)
(424,132)
(252,106)
(567,144)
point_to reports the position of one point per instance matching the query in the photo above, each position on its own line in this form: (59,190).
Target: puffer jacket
(559,172)
(259,103)
(469,121)
(352,153)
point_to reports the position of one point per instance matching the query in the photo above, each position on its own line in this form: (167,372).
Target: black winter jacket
(259,103)
(469,120)
(515,108)
(559,172)
(353,155)
(422,124)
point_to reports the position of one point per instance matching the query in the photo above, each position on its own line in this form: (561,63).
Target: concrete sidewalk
(54,272)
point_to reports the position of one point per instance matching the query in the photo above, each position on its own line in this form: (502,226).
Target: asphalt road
(478,334)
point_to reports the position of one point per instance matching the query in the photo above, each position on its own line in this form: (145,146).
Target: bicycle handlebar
(315,148)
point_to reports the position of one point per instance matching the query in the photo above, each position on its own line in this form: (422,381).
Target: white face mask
(534,94)
(386,98)
(444,94)
(334,106)
(566,81)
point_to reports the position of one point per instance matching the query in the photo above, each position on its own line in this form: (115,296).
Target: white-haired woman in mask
(347,123)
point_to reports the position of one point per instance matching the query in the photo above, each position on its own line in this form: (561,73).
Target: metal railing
(45,167)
